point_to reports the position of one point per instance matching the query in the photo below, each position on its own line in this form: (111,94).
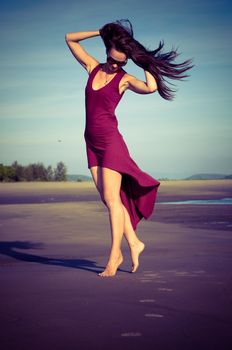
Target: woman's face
(115,60)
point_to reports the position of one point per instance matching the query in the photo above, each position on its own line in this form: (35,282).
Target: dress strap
(94,71)
(117,78)
(119,75)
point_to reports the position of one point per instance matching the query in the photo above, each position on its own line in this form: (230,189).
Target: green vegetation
(32,172)
(163,179)
(206,176)
(79,177)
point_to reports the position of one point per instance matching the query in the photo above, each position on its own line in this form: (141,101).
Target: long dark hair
(119,35)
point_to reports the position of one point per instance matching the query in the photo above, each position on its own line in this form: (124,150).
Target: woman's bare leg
(136,246)
(96,172)
(111,180)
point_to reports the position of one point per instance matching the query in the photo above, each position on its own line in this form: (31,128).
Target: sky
(42,86)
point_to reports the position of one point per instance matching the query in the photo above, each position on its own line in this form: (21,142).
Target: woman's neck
(105,69)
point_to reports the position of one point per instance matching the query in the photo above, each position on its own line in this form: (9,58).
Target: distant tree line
(32,172)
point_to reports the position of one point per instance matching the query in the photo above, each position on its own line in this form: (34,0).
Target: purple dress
(106,147)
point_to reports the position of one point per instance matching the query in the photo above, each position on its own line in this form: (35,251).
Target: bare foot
(112,266)
(136,250)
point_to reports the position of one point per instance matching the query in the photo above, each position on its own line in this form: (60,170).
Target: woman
(127,191)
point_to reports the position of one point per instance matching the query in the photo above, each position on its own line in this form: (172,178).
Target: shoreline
(169,191)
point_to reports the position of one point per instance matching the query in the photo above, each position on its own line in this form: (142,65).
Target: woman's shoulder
(94,66)
(126,76)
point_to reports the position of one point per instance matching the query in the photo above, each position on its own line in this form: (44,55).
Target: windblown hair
(119,35)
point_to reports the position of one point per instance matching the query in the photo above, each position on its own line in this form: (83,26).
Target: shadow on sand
(8,249)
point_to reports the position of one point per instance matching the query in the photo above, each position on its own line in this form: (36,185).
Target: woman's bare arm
(72,40)
(139,86)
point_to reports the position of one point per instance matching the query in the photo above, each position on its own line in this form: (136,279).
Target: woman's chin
(113,69)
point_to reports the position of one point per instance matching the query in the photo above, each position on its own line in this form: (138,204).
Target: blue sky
(42,85)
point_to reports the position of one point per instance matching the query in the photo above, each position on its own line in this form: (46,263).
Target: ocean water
(227,201)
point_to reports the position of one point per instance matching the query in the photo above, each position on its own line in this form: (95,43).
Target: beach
(55,239)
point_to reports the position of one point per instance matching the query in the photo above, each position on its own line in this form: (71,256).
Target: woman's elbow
(152,89)
(66,37)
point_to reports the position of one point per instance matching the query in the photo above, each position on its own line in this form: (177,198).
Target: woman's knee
(102,198)
(111,199)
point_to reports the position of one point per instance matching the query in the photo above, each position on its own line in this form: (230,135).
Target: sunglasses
(111,60)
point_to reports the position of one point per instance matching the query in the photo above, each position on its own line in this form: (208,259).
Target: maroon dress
(106,147)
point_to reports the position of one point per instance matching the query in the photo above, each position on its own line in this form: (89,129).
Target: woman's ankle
(134,242)
(116,253)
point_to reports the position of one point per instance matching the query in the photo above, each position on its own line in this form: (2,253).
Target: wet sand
(55,238)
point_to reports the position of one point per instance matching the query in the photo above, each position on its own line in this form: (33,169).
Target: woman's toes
(134,268)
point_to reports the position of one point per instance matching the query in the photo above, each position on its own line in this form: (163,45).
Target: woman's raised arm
(139,86)
(72,40)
